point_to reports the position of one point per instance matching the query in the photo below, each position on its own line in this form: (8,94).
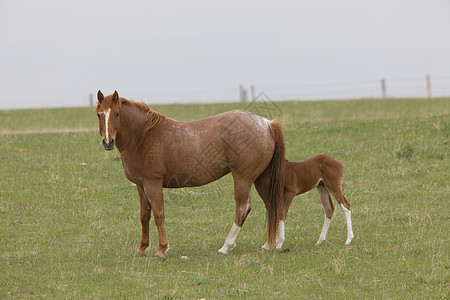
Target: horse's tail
(276,169)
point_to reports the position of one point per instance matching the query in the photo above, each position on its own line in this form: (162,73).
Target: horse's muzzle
(108,144)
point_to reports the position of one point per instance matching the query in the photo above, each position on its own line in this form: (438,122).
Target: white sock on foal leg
(281,238)
(323,234)
(348,217)
(230,241)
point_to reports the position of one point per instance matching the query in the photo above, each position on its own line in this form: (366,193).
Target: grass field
(70,224)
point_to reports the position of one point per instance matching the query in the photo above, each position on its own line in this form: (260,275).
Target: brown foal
(322,172)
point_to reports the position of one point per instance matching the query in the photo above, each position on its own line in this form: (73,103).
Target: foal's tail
(276,170)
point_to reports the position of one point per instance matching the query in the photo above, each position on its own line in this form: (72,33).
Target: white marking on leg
(280,238)
(323,234)
(106,123)
(230,241)
(348,217)
(265,247)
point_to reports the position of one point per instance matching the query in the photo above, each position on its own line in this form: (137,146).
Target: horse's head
(108,118)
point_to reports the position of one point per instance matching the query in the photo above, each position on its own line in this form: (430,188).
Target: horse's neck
(132,123)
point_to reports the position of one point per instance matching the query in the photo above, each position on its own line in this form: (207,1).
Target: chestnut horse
(158,152)
(322,172)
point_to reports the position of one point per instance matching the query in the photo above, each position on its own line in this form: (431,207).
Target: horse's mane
(153,117)
(139,105)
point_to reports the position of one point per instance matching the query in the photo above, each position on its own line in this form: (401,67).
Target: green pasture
(69,219)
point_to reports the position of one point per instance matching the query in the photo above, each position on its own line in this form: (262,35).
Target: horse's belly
(197,176)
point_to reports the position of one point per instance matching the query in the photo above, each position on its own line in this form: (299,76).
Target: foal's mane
(153,117)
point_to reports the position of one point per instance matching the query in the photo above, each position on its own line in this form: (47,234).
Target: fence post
(91,101)
(383,88)
(252,91)
(428,86)
(242,94)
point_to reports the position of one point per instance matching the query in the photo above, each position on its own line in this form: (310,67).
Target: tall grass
(70,219)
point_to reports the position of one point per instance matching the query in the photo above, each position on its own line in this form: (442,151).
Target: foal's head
(108,118)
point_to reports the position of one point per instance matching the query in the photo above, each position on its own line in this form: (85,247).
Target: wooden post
(91,100)
(252,91)
(383,88)
(428,86)
(242,94)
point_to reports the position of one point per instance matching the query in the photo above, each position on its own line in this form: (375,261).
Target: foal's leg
(242,197)
(288,197)
(145,212)
(287,200)
(154,193)
(345,205)
(328,208)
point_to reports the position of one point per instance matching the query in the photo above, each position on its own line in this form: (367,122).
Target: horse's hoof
(139,254)
(159,258)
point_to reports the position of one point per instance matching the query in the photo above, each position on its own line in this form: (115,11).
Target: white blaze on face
(108,112)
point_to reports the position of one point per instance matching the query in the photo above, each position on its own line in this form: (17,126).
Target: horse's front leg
(145,213)
(154,192)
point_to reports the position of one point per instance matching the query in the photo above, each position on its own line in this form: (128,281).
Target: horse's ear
(115,97)
(100,96)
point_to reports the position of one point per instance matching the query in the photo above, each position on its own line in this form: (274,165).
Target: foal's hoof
(264,247)
(222,253)
(158,258)
(139,254)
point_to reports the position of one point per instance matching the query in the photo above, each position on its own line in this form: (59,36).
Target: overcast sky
(55,53)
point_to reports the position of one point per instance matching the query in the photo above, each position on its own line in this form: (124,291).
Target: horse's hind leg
(145,212)
(242,196)
(328,208)
(262,187)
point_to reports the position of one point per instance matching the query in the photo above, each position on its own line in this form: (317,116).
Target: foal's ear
(115,97)
(100,96)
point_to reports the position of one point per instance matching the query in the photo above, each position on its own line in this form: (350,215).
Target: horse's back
(236,141)
(238,133)
(246,139)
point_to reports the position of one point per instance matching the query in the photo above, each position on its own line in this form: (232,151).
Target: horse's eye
(98,115)
(117,115)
